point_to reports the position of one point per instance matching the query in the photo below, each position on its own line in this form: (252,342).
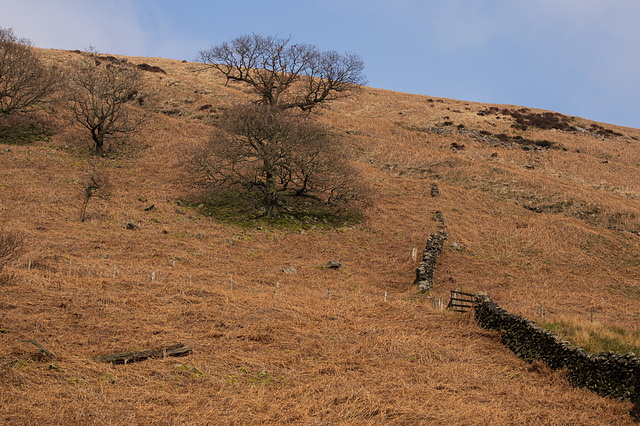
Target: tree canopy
(24,80)
(99,96)
(266,150)
(286,75)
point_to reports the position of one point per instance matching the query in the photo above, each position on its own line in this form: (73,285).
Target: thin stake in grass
(114,271)
(277,286)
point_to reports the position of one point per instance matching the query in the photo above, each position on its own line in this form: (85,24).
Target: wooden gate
(460,301)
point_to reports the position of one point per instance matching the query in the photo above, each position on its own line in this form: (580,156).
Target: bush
(24,81)
(275,154)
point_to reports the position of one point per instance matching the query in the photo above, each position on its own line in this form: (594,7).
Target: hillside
(542,208)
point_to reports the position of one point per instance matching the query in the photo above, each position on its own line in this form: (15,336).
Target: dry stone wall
(608,374)
(430,255)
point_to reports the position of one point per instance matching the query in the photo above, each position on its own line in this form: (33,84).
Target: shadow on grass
(295,212)
(21,131)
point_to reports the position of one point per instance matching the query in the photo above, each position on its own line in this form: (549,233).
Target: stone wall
(430,255)
(608,374)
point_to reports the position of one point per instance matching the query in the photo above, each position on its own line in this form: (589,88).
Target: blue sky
(577,57)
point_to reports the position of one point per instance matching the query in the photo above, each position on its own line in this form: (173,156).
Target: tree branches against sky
(577,57)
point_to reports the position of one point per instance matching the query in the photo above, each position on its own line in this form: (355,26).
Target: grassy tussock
(595,337)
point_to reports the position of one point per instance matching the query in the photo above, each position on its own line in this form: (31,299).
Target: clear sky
(577,57)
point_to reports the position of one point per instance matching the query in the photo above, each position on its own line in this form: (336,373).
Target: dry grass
(595,337)
(296,357)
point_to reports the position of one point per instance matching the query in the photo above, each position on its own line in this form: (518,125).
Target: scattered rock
(534,209)
(131,226)
(290,270)
(151,68)
(334,264)
(456,246)
(435,191)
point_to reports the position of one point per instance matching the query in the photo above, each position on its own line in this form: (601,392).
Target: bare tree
(275,153)
(100,96)
(11,245)
(24,80)
(286,75)
(96,183)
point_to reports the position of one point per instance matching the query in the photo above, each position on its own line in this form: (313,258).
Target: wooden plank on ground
(174,350)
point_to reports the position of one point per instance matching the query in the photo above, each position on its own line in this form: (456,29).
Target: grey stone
(334,264)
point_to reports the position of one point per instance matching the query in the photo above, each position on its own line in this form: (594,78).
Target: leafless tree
(276,153)
(286,75)
(100,95)
(24,80)
(96,183)
(11,245)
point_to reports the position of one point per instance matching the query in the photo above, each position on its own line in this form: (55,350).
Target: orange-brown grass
(296,356)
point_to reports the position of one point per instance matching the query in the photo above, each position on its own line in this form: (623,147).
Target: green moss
(295,213)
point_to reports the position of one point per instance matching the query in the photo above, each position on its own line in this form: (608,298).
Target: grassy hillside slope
(539,216)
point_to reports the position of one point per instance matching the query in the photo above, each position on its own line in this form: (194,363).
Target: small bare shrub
(97,183)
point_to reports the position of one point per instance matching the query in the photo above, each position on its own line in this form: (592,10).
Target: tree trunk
(271,198)
(98,139)
(84,208)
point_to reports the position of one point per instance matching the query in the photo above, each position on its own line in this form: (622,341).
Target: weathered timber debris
(174,350)
(42,351)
